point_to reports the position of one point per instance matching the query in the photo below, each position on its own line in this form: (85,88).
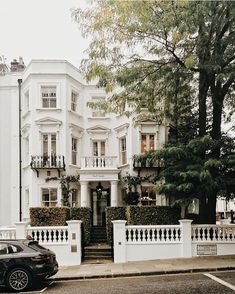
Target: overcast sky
(40,29)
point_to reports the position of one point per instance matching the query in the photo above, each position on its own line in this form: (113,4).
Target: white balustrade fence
(153,234)
(7,233)
(132,243)
(53,235)
(215,233)
(161,242)
(64,241)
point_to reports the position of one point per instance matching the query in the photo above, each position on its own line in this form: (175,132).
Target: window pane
(74,101)
(143,144)
(45,103)
(95,148)
(45,195)
(102,148)
(151,142)
(52,103)
(98,112)
(53,144)
(53,194)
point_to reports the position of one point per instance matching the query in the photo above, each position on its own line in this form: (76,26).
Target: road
(198,283)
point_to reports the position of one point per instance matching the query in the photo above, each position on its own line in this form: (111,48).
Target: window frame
(49,199)
(74,103)
(50,98)
(123,151)
(74,151)
(147,142)
(98,113)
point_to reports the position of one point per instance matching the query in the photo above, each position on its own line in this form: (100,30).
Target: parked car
(23,261)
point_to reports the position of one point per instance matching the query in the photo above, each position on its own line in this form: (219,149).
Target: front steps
(98,235)
(98,251)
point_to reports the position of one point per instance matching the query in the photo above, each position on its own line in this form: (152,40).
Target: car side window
(9,248)
(3,248)
(14,249)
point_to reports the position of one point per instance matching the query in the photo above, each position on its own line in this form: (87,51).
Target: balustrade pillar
(84,193)
(21,230)
(74,242)
(119,241)
(186,232)
(114,193)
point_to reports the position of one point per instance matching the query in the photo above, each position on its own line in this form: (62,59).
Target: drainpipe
(20,157)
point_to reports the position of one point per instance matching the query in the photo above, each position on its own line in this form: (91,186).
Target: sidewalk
(152,267)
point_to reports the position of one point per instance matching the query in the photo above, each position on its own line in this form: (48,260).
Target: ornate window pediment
(48,121)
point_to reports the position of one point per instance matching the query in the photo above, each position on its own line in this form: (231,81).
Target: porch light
(99,189)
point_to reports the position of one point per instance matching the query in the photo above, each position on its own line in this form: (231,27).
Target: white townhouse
(61,135)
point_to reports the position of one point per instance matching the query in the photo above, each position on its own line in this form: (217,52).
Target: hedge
(152,215)
(113,213)
(83,214)
(49,216)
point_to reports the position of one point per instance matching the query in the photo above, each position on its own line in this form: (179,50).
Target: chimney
(17,65)
(14,65)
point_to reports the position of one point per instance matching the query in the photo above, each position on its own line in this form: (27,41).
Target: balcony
(147,160)
(39,162)
(99,162)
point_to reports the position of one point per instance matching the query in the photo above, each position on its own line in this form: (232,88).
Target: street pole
(20,157)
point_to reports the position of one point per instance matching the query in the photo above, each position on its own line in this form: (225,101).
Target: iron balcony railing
(47,162)
(143,161)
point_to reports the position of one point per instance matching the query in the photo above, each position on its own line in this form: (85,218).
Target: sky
(40,29)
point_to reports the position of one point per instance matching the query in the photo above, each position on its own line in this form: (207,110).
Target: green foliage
(152,215)
(49,216)
(190,170)
(84,214)
(141,215)
(113,213)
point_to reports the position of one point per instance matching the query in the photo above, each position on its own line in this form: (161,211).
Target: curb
(137,274)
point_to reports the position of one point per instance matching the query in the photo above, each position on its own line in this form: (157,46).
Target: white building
(62,135)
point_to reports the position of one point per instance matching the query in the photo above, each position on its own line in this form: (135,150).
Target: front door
(100,200)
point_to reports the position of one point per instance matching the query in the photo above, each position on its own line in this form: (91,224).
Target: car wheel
(18,279)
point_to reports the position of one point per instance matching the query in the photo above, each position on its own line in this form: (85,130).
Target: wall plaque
(206,249)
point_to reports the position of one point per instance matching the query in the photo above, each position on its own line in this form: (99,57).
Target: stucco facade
(62,135)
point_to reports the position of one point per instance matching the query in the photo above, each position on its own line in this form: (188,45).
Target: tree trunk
(202,96)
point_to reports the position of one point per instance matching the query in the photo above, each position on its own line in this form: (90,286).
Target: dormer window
(48,96)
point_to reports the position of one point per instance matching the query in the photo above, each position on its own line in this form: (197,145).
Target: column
(84,193)
(114,193)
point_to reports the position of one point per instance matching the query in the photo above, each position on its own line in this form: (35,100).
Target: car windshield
(35,246)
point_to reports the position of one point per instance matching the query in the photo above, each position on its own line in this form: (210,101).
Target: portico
(99,189)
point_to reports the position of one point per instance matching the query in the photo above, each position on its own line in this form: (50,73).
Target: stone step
(98,253)
(95,257)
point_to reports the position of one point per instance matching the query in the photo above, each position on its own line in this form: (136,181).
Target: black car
(23,261)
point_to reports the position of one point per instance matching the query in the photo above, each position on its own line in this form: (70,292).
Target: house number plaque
(206,249)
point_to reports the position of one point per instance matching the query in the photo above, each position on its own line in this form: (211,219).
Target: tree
(148,48)
(190,169)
